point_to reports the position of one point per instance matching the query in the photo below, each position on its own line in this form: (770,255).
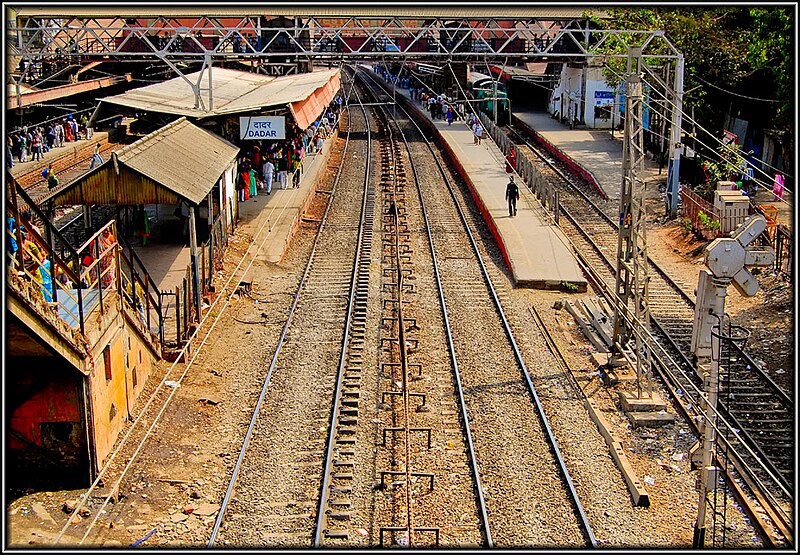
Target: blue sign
(604,94)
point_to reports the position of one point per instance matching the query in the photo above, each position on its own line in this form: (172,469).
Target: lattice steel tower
(632,276)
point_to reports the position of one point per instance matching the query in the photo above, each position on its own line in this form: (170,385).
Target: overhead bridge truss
(335,39)
(189,40)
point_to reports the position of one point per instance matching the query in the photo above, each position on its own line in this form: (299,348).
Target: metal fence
(184,306)
(545,192)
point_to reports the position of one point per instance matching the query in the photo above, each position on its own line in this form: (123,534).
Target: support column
(632,282)
(675,142)
(193,253)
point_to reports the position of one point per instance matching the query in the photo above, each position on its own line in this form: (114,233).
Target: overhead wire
(738,162)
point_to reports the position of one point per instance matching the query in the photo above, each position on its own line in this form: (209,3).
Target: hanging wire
(739,161)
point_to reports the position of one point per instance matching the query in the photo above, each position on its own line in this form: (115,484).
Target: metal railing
(76,282)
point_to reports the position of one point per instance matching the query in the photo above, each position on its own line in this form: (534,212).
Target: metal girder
(348,38)
(182,39)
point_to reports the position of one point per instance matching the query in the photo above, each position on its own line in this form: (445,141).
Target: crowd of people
(282,160)
(31,259)
(32,143)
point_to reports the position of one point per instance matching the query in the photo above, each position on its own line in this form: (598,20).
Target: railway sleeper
(336,534)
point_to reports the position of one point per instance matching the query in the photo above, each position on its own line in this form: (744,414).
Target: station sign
(262,127)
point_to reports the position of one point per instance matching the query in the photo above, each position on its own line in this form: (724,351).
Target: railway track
(68,168)
(436,448)
(324,324)
(503,424)
(757,416)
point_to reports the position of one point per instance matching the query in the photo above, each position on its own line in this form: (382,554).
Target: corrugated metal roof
(325,10)
(178,161)
(180,156)
(233,91)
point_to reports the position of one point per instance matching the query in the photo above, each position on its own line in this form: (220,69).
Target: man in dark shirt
(512,195)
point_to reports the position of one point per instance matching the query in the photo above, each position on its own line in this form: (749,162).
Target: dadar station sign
(262,127)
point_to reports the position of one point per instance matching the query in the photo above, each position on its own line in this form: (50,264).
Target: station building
(76,368)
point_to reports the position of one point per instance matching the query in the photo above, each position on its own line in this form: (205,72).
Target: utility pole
(727,260)
(632,273)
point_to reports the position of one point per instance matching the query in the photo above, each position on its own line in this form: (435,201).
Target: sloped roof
(178,161)
(233,91)
(180,156)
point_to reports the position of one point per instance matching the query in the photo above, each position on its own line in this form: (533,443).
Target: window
(107,361)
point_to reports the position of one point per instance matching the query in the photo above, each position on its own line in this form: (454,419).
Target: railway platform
(280,212)
(596,152)
(535,249)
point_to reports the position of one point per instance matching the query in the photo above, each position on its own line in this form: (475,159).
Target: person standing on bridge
(96,158)
(512,195)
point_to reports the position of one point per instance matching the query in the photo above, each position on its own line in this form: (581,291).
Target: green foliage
(740,49)
(708,222)
(729,164)
(686,225)
(771,48)
(569,287)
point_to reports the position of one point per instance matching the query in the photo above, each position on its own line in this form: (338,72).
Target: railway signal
(728,260)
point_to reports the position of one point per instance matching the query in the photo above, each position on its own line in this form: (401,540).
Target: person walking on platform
(512,195)
(282,167)
(511,160)
(478,130)
(269,172)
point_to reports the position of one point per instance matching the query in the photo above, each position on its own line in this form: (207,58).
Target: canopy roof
(180,161)
(233,92)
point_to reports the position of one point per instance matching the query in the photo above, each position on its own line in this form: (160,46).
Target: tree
(737,60)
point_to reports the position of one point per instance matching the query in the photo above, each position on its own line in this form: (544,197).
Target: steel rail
(401,341)
(453,357)
(783,395)
(728,412)
(229,492)
(591,540)
(336,408)
(664,367)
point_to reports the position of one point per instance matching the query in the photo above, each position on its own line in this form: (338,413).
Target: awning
(306,111)
(43,95)
(233,92)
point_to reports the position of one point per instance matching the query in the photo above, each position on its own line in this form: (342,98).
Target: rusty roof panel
(178,161)
(184,158)
(331,11)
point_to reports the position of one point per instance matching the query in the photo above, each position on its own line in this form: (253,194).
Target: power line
(733,93)
(687,118)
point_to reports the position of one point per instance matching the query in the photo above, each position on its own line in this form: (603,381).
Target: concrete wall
(46,434)
(113,400)
(596,83)
(569,97)
(109,398)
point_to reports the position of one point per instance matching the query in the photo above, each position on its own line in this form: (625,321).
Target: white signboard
(262,127)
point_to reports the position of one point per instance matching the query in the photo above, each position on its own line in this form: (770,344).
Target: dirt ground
(169,498)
